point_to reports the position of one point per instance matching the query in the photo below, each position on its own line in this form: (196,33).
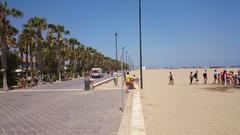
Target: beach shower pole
(140,43)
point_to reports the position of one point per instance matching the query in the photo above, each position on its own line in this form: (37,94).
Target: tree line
(43,48)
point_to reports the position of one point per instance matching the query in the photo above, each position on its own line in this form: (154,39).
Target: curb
(102,82)
(132,122)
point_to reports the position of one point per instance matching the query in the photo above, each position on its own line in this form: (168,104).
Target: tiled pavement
(60,112)
(71,84)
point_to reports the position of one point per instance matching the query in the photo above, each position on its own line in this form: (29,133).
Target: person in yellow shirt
(128,81)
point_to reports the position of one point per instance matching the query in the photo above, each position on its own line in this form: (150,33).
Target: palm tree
(72,43)
(58,31)
(52,51)
(37,25)
(80,58)
(6,31)
(25,45)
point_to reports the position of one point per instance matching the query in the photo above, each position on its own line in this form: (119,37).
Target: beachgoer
(215,75)
(224,77)
(238,78)
(219,78)
(171,80)
(115,78)
(196,77)
(29,80)
(135,79)
(22,83)
(205,77)
(128,79)
(191,77)
(235,79)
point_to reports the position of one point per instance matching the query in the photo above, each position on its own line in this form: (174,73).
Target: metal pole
(116,46)
(140,43)
(116,68)
(122,78)
(126,61)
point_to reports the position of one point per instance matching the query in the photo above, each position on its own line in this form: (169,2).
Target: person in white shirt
(115,78)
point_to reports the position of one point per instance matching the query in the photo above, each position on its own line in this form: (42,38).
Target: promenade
(55,110)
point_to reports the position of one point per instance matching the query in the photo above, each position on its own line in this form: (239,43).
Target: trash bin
(88,84)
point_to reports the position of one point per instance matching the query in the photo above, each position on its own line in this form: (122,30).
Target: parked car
(96,73)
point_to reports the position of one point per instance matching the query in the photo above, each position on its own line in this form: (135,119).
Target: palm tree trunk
(4,62)
(26,61)
(59,67)
(74,62)
(36,58)
(31,59)
(22,64)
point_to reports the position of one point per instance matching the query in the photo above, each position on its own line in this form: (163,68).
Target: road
(70,112)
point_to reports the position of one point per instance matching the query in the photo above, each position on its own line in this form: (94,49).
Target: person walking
(205,77)
(171,80)
(196,77)
(215,75)
(191,77)
(128,79)
(115,78)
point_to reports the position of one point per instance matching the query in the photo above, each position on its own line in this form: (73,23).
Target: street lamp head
(116,34)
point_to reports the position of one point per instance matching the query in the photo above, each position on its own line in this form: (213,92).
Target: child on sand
(171,80)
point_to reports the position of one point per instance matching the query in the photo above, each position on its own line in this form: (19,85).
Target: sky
(174,32)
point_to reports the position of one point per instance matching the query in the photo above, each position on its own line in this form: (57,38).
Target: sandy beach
(184,109)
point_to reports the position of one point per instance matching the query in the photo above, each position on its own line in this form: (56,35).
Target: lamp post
(126,61)
(122,62)
(116,34)
(140,43)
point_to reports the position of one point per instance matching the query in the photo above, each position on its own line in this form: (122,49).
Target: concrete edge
(124,128)
(132,122)
(102,82)
(137,119)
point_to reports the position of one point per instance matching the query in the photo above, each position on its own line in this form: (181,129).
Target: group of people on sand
(195,77)
(227,78)
(223,77)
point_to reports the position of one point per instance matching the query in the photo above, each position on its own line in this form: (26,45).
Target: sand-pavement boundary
(132,122)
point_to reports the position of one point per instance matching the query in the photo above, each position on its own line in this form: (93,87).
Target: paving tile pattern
(60,113)
(71,84)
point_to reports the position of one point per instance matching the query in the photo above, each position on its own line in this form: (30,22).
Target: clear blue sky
(175,32)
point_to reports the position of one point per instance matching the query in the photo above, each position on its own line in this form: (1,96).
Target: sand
(182,109)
